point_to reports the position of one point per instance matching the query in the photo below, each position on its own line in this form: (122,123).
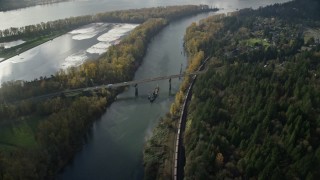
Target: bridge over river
(136,82)
(115,85)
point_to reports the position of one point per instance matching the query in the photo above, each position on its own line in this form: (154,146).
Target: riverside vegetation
(39,137)
(255,113)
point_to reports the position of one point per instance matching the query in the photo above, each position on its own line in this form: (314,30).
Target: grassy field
(20,134)
(253,41)
(311,32)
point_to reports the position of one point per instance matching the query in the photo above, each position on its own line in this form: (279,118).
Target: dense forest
(46,133)
(255,113)
(255,122)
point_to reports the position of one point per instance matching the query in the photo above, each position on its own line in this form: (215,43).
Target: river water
(114,145)
(44,13)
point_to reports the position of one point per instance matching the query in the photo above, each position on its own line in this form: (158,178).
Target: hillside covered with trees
(255,113)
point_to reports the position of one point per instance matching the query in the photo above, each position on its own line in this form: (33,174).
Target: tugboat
(152,96)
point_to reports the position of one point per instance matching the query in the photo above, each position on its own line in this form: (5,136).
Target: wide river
(37,14)
(114,145)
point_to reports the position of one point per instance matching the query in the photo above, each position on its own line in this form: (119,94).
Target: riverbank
(162,162)
(8,5)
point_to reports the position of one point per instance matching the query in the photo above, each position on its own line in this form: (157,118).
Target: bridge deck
(137,81)
(109,86)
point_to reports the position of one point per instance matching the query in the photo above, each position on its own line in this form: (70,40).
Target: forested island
(255,113)
(39,137)
(6,5)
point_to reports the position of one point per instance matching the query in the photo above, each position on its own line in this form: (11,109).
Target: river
(44,13)
(113,147)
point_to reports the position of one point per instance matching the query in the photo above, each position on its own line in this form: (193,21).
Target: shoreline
(29,45)
(23,6)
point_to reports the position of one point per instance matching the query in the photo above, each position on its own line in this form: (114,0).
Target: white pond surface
(99,48)
(89,31)
(110,37)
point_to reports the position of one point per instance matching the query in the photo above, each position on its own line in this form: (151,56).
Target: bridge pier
(180,71)
(136,93)
(169,86)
